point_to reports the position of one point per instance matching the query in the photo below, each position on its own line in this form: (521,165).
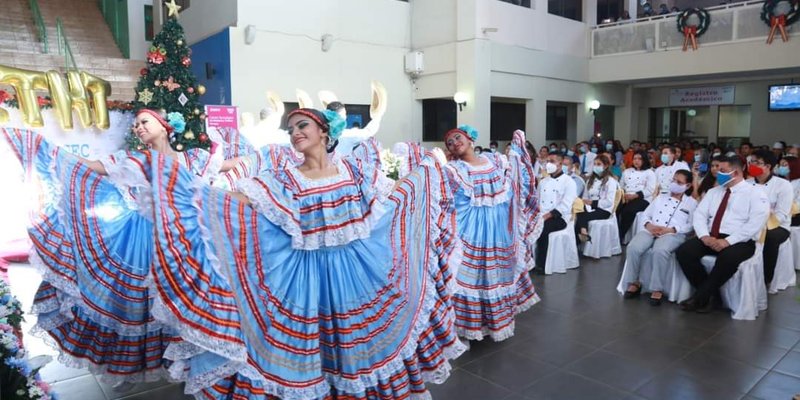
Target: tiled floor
(583,341)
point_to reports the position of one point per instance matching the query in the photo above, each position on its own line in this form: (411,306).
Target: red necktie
(720,212)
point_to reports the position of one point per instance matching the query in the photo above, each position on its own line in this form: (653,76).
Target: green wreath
(768,11)
(705,20)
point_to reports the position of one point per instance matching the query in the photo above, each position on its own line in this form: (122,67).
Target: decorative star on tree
(146,96)
(172,8)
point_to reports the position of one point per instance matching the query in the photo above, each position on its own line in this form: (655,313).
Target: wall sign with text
(701,96)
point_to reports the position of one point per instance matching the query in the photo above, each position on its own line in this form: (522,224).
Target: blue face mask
(553,149)
(565,170)
(697,158)
(594,150)
(563,150)
(570,153)
(666,158)
(598,169)
(723,178)
(782,171)
(609,146)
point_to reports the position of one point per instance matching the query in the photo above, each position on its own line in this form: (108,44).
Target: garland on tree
(778,14)
(18,381)
(692,32)
(167,84)
(46,102)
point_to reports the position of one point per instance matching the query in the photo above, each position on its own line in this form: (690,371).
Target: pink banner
(222,117)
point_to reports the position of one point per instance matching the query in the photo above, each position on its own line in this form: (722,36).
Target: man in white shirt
(666,171)
(570,170)
(780,194)
(667,221)
(726,222)
(586,158)
(556,194)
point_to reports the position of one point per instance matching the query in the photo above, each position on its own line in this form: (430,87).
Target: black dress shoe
(538,271)
(705,308)
(688,305)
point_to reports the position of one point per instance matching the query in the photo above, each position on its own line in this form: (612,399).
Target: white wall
(765,127)
(136,28)
(370,40)
(205,18)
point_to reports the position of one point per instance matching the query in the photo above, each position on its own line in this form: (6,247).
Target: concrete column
(590,12)
(536,121)
(632,6)
(713,124)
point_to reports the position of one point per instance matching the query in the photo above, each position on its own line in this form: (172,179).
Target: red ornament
(190,89)
(42,101)
(203,138)
(155,57)
(4,96)
(186,61)
(143,71)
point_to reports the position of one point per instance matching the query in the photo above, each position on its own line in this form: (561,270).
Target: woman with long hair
(599,197)
(639,184)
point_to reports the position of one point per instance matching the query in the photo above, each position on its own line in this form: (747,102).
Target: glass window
(572,9)
(505,119)
(556,123)
(438,116)
(523,3)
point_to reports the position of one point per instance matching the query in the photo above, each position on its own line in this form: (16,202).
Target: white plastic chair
(795,239)
(562,252)
(635,228)
(785,275)
(605,235)
(646,273)
(744,294)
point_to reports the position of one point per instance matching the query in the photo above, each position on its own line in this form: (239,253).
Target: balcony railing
(739,22)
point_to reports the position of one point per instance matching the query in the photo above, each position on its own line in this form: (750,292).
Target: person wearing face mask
(557,192)
(493,146)
(568,168)
(780,194)
(667,221)
(586,158)
(601,190)
(789,169)
(709,180)
(639,184)
(666,171)
(727,223)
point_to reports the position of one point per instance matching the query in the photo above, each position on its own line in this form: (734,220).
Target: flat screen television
(784,97)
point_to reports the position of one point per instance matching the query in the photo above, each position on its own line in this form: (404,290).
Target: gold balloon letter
(25,84)
(67,97)
(100,90)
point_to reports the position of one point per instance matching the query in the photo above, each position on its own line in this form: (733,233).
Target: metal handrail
(673,15)
(63,46)
(39,21)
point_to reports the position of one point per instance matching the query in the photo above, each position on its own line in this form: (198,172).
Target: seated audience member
(570,168)
(794,151)
(727,221)
(701,186)
(667,221)
(586,158)
(778,148)
(639,184)
(478,149)
(780,195)
(493,146)
(789,169)
(557,192)
(666,171)
(744,151)
(599,196)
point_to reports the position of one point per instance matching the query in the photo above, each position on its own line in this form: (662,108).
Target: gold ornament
(196,111)
(172,8)
(179,147)
(189,135)
(179,42)
(146,96)
(201,90)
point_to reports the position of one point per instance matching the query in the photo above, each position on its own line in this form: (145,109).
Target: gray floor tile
(80,388)
(655,354)
(613,370)
(760,332)
(756,354)
(593,333)
(674,386)
(790,364)
(111,393)
(564,385)
(554,349)
(169,392)
(57,372)
(668,326)
(463,385)
(509,369)
(776,386)
(719,371)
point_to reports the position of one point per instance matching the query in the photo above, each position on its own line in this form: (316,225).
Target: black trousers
(627,214)
(796,220)
(728,260)
(582,219)
(774,240)
(553,224)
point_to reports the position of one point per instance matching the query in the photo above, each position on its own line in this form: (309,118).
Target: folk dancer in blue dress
(495,206)
(93,242)
(311,281)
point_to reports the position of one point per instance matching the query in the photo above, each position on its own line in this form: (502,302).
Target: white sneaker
(123,387)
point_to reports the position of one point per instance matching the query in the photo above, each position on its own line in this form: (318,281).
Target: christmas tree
(168,84)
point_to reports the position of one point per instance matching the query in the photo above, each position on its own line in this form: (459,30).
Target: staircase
(90,39)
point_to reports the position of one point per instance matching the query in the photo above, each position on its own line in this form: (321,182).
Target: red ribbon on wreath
(690,36)
(777,22)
